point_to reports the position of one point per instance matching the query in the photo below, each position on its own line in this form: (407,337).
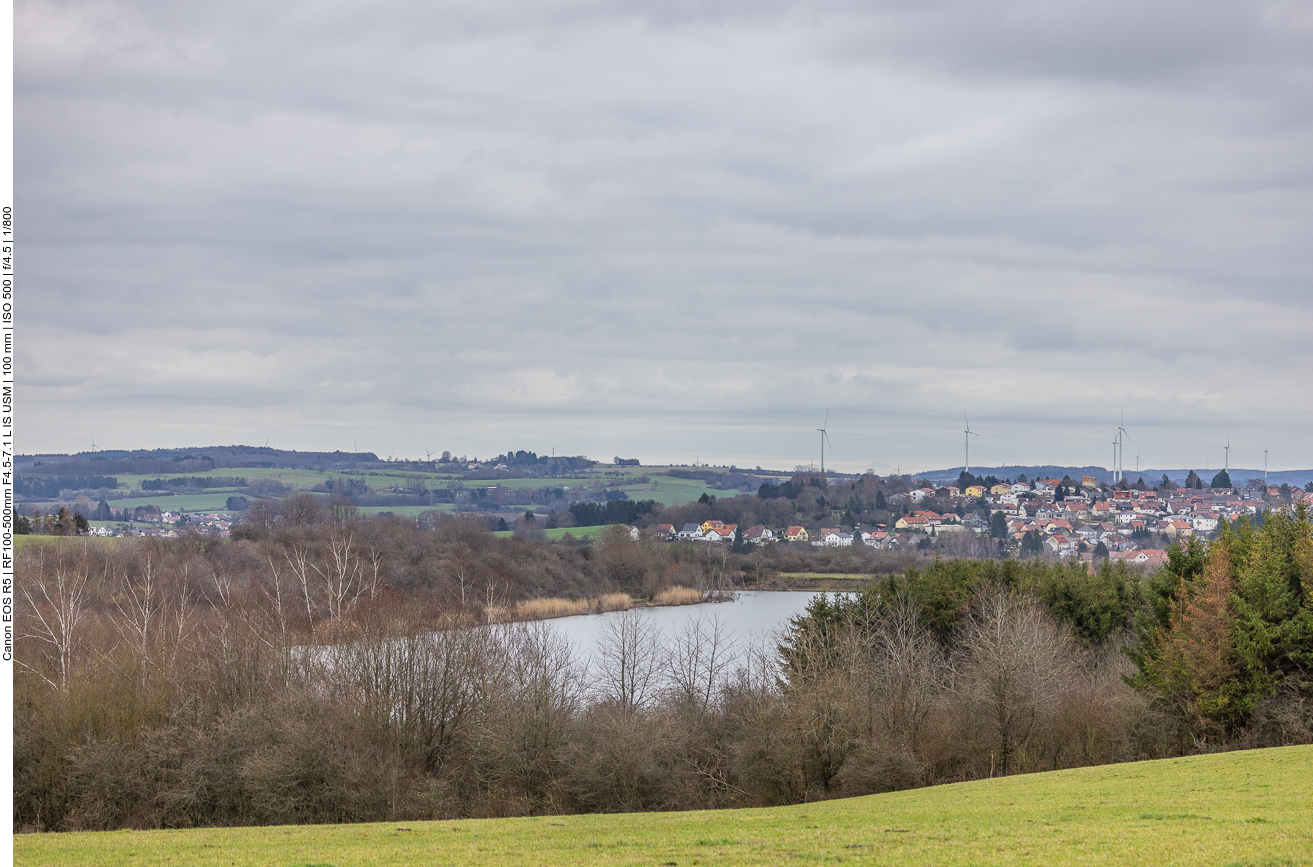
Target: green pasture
(1242,809)
(667,490)
(559,533)
(214,500)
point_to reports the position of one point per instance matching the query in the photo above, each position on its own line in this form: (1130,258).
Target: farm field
(1242,808)
(664,489)
(577,532)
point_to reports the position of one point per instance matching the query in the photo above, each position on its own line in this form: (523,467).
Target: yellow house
(708,526)
(1000,489)
(796,534)
(975,491)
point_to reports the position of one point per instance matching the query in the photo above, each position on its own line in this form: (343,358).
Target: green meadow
(667,490)
(1240,809)
(559,533)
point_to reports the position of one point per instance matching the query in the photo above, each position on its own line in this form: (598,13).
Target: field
(559,533)
(667,490)
(1242,809)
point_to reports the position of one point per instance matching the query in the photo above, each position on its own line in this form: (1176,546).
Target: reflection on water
(752,616)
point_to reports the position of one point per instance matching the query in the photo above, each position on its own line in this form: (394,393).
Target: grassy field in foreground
(1246,808)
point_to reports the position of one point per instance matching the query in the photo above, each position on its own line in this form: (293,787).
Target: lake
(751,617)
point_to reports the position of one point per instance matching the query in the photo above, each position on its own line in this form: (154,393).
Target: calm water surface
(753,616)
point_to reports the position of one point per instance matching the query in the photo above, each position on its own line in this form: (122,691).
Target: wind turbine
(1264,465)
(1121,445)
(966,444)
(1115,440)
(1227,466)
(93,443)
(824,436)
(428,455)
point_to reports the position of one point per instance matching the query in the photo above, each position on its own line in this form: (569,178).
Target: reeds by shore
(678,596)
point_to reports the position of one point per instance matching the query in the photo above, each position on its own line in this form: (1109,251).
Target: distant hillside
(189,460)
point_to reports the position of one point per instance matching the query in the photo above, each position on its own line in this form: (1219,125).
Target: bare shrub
(527,718)
(1016,664)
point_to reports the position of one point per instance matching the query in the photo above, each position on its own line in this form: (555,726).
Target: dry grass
(542,609)
(612,602)
(678,596)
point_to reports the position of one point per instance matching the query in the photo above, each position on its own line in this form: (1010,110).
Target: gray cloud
(682,230)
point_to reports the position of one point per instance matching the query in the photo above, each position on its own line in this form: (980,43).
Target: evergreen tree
(1232,622)
(1222,480)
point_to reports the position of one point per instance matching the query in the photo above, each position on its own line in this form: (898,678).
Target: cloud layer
(677,233)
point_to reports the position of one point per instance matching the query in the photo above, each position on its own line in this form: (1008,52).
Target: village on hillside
(1071,521)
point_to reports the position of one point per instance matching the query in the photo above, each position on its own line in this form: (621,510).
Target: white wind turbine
(824,437)
(967,434)
(1122,436)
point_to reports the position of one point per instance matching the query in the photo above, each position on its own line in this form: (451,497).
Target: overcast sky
(672,230)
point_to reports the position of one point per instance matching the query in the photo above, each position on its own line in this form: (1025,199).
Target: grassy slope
(1246,808)
(667,491)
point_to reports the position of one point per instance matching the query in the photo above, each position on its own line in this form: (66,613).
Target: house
(1058,544)
(1204,522)
(1000,489)
(708,526)
(758,534)
(1151,557)
(690,531)
(633,534)
(665,530)
(912,522)
(921,494)
(1178,527)
(974,491)
(932,517)
(875,540)
(796,534)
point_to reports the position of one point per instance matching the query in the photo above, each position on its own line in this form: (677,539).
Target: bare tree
(342,574)
(529,709)
(629,660)
(55,614)
(1017,662)
(904,671)
(700,656)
